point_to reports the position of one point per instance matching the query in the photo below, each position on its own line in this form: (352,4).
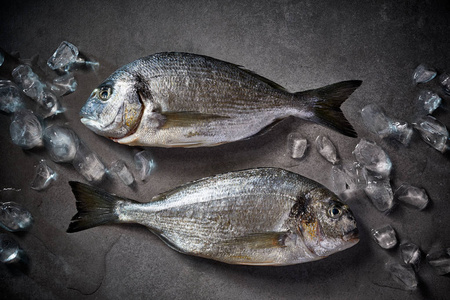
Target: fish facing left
(188,100)
(263,216)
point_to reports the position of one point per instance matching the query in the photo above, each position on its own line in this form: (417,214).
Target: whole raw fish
(263,216)
(188,100)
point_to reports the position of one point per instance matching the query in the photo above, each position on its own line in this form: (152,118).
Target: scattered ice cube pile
(44,176)
(121,170)
(385,237)
(145,164)
(296,145)
(14,217)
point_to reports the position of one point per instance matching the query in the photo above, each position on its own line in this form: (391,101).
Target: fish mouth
(351,235)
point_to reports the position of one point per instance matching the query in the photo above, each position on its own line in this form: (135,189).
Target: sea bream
(263,216)
(188,100)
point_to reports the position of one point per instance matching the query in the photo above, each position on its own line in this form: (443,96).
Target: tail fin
(326,102)
(95,207)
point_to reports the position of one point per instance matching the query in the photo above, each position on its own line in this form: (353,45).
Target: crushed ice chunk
(29,82)
(14,217)
(26,129)
(2,58)
(429,100)
(410,254)
(439,259)
(49,104)
(120,168)
(355,175)
(10,97)
(423,74)
(296,145)
(338,180)
(88,164)
(145,164)
(380,193)
(64,84)
(385,237)
(373,157)
(44,176)
(65,55)
(444,81)
(384,126)
(412,195)
(404,276)
(10,251)
(327,149)
(433,132)
(61,143)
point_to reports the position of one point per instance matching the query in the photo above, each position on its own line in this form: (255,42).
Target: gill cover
(114,108)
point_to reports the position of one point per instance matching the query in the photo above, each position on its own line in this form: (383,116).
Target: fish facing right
(188,100)
(262,216)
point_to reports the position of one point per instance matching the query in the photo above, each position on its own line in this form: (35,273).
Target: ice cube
(444,81)
(10,97)
(88,164)
(120,168)
(404,276)
(372,156)
(327,149)
(429,100)
(14,217)
(44,176)
(439,259)
(61,143)
(412,195)
(410,254)
(296,145)
(49,104)
(64,84)
(10,252)
(29,82)
(2,58)
(380,193)
(385,237)
(26,129)
(338,180)
(355,175)
(145,164)
(384,126)
(65,55)
(423,74)
(433,133)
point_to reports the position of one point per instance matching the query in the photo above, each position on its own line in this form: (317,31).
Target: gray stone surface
(298,44)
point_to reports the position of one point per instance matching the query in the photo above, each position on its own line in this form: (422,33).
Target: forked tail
(325,103)
(95,207)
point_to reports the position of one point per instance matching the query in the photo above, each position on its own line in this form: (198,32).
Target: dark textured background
(298,44)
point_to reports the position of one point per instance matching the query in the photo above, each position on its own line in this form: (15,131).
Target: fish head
(326,224)
(114,108)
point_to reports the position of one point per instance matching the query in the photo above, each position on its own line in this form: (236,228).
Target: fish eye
(104,93)
(334,212)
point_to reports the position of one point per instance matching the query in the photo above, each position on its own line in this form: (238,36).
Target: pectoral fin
(261,240)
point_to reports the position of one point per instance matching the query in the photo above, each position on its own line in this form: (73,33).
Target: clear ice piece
(404,276)
(26,129)
(327,149)
(88,164)
(10,251)
(410,254)
(64,84)
(61,143)
(2,58)
(444,81)
(412,195)
(10,97)
(385,237)
(120,168)
(433,132)
(44,176)
(384,126)
(373,157)
(145,164)
(355,175)
(423,74)
(380,193)
(29,82)
(65,55)
(439,259)
(296,145)
(338,183)
(49,104)
(429,100)
(14,217)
